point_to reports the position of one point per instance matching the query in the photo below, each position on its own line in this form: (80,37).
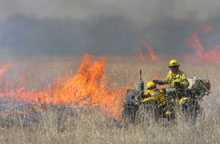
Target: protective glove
(160,82)
(156,81)
(177,84)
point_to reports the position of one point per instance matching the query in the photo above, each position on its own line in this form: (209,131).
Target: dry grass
(76,126)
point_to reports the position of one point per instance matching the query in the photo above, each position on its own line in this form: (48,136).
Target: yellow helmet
(173,62)
(151,85)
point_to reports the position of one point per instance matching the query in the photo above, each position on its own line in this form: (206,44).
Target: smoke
(102,27)
(29,36)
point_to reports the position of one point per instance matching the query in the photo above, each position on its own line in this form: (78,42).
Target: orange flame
(186,18)
(150,51)
(3,70)
(211,56)
(87,89)
(208,29)
(142,56)
(152,56)
(195,43)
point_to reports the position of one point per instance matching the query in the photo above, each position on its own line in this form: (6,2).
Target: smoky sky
(104,27)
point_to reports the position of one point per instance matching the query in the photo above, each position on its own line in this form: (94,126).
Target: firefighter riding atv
(155,104)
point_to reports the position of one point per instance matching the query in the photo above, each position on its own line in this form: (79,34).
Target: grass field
(55,124)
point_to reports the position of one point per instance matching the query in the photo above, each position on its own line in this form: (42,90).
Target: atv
(140,105)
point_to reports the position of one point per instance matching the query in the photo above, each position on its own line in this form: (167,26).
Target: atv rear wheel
(128,114)
(130,107)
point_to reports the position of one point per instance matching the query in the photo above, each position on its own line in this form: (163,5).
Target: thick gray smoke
(103,27)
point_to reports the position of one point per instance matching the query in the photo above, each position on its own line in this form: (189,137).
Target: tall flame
(213,53)
(87,89)
(3,70)
(142,56)
(195,43)
(207,28)
(150,51)
(151,57)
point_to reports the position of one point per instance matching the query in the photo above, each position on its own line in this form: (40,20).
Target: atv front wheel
(147,114)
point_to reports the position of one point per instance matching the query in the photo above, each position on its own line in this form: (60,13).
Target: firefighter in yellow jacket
(158,94)
(152,91)
(177,81)
(175,78)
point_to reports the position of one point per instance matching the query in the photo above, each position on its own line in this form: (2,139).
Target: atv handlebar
(160,82)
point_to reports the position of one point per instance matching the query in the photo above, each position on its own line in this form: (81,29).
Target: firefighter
(159,94)
(178,84)
(175,78)
(153,91)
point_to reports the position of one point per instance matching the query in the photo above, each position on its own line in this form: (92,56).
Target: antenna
(141,85)
(140,75)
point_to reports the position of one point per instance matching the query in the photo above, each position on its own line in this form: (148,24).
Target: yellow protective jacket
(179,77)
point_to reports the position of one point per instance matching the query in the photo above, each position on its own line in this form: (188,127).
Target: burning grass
(95,120)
